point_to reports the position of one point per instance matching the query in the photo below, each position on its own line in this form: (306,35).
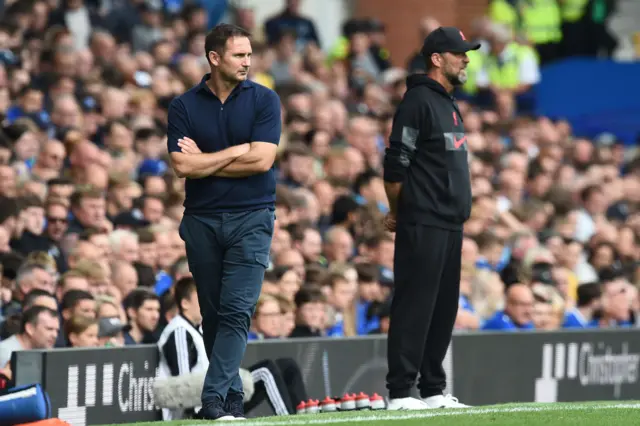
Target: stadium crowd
(90,208)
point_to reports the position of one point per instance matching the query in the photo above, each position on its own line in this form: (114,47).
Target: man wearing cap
(427,183)
(110,332)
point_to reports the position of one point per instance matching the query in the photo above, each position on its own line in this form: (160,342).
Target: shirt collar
(579,317)
(203,84)
(196,327)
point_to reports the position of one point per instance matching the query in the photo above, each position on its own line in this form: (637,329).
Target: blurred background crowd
(89,205)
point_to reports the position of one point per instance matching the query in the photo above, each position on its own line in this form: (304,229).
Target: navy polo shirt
(251,113)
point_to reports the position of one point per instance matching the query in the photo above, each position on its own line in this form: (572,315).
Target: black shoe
(214,411)
(234,405)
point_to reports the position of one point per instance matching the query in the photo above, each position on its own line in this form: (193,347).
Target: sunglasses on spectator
(61,220)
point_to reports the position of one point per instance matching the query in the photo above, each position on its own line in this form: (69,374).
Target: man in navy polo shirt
(222,136)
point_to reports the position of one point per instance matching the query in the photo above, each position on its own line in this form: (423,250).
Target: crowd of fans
(90,207)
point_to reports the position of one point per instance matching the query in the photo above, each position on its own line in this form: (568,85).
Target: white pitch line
(389,415)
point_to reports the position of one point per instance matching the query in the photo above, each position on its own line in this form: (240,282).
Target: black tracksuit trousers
(424,307)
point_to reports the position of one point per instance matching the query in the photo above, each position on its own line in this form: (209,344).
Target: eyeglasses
(61,220)
(520,304)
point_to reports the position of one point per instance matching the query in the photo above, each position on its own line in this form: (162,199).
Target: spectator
(180,269)
(311,307)
(616,304)
(467,317)
(108,307)
(508,90)
(79,19)
(78,303)
(38,330)
(342,298)
(267,320)
(71,280)
(517,312)
(290,19)
(110,332)
(143,312)
(57,220)
(37,297)
(288,282)
(594,206)
(98,275)
(292,259)
(307,240)
(125,277)
(369,292)
(382,311)
(148,31)
(88,209)
(50,161)
(338,245)
(286,62)
(81,332)
(124,245)
(288,310)
(589,303)
(28,278)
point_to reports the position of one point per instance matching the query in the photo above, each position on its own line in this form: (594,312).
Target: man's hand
(188,146)
(191,162)
(390,222)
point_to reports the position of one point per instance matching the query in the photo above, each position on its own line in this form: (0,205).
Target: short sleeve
(267,125)
(529,70)
(177,124)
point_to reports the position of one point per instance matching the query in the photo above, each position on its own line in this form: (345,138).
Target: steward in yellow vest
(541,23)
(508,71)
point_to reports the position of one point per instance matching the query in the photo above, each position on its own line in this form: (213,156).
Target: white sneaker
(407,404)
(226,418)
(443,401)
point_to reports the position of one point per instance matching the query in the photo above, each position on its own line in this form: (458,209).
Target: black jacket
(428,154)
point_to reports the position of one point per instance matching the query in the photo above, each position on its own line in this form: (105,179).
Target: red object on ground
(362,401)
(48,422)
(348,402)
(328,405)
(377,402)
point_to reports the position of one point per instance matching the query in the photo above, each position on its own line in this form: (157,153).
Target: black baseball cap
(447,39)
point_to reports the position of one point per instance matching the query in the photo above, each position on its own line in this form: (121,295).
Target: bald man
(517,314)
(50,160)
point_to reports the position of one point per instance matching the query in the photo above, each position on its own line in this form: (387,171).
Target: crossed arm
(234,162)
(238,161)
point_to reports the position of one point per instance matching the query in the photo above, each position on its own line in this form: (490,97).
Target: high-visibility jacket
(541,21)
(505,73)
(476,60)
(573,10)
(503,12)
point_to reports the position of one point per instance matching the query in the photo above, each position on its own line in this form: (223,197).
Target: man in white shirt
(181,344)
(38,330)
